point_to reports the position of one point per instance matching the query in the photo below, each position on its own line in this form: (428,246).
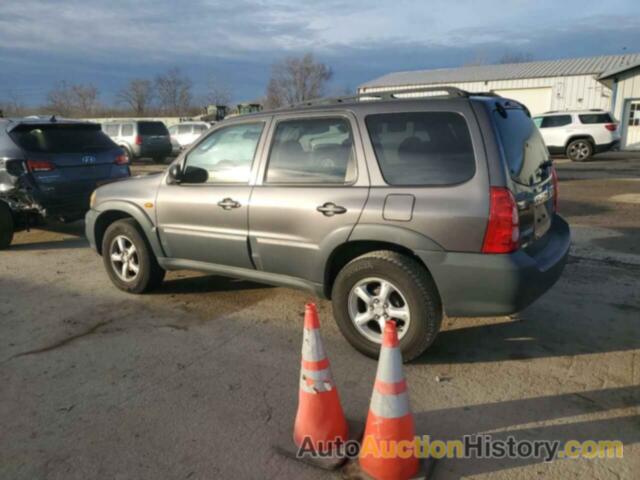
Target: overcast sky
(108,42)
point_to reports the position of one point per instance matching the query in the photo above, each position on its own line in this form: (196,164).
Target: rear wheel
(386,285)
(6,226)
(128,258)
(127,153)
(579,150)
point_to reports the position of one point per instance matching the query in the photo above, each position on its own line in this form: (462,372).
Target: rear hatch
(154,136)
(532,174)
(66,161)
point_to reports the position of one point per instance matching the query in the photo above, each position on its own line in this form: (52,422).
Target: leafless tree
(72,100)
(218,93)
(516,57)
(10,106)
(296,79)
(137,94)
(174,92)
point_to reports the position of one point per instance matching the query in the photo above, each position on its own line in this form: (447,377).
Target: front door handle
(330,209)
(228,203)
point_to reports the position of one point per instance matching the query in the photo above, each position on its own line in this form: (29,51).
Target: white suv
(578,134)
(185,133)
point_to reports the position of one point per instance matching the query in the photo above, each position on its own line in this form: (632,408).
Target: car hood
(138,190)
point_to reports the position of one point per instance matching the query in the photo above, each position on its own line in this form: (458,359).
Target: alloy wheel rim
(371,302)
(124,258)
(579,150)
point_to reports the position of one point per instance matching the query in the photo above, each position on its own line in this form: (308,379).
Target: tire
(579,150)
(6,226)
(149,274)
(414,288)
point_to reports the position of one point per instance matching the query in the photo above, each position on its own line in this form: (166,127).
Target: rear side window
(590,118)
(422,148)
(127,130)
(522,144)
(111,130)
(199,128)
(312,151)
(182,129)
(62,138)
(152,128)
(555,121)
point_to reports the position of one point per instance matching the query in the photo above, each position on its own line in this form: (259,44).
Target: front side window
(227,154)
(422,148)
(312,151)
(184,129)
(555,121)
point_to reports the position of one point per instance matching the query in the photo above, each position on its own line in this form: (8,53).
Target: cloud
(108,42)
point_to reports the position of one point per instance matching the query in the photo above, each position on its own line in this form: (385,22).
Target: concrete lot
(197,380)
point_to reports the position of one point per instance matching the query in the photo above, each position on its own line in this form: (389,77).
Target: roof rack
(390,95)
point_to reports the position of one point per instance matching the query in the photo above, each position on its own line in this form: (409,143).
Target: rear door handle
(330,209)
(228,203)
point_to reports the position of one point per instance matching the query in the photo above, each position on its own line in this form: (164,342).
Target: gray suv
(402,208)
(140,138)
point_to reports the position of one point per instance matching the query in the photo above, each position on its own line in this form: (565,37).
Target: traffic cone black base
(287,448)
(352,471)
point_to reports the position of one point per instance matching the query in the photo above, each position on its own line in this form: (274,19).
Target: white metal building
(609,82)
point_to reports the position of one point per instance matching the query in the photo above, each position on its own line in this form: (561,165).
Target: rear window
(555,121)
(590,118)
(152,128)
(62,138)
(422,148)
(522,145)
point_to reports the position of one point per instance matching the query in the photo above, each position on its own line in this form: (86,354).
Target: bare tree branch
(174,92)
(71,100)
(137,94)
(296,80)
(217,93)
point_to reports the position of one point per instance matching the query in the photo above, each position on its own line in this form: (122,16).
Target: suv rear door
(67,159)
(310,192)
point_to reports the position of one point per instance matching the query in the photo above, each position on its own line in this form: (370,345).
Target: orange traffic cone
(320,418)
(390,420)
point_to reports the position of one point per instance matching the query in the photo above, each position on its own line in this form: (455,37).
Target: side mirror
(175,174)
(195,175)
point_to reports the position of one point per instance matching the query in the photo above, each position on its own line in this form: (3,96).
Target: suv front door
(204,218)
(309,194)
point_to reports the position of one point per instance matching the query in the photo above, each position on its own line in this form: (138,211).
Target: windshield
(61,138)
(522,145)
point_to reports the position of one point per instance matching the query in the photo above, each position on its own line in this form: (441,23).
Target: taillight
(121,159)
(503,231)
(138,140)
(40,166)
(612,127)
(554,182)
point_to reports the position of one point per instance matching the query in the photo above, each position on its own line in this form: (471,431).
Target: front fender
(93,221)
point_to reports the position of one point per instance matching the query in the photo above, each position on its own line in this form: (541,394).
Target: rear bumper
(476,285)
(615,145)
(153,150)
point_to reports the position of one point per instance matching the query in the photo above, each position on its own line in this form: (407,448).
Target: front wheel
(128,258)
(386,285)
(579,150)
(6,226)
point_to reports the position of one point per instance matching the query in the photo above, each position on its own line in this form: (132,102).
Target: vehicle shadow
(510,418)
(43,237)
(543,330)
(627,242)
